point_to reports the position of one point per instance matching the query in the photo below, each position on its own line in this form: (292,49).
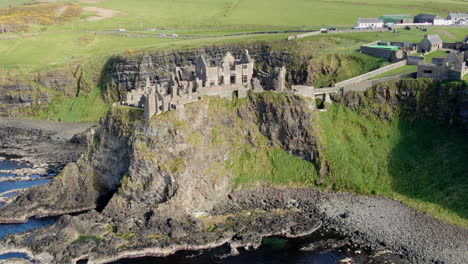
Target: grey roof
(369,20)
(425,17)
(458,15)
(434,39)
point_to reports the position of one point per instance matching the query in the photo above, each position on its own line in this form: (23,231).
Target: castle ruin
(189,84)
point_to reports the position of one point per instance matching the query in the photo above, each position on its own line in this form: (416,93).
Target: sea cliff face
(178,181)
(178,165)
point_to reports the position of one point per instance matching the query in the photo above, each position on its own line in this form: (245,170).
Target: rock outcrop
(167,184)
(411,100)
(138,172)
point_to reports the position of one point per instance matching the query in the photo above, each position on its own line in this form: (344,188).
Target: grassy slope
(401,70)
(420,163)
(255,160)
(85,108)
(436,54)
(342,66)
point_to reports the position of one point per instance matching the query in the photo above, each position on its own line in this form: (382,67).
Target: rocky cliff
(179,162)
(166,184)
(27,94)
(422,99)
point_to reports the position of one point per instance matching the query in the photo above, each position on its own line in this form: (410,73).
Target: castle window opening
(233,79)
(244,78)
(244,66)
(212,84)
(427,71)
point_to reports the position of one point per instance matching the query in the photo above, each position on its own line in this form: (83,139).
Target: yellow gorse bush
(19,18)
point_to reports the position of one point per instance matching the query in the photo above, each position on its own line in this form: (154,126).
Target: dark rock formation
(410,99)
(164,185)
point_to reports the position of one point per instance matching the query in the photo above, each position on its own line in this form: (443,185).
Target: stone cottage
(452,67)
(430,43)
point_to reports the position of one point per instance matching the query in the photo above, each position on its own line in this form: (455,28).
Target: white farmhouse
(458,18)
(370,23)
(439,21)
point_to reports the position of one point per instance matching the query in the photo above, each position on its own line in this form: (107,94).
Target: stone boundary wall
(455,45)
(415,60)
(335,32)
(371,74)
(430,25)
(365,85)
(377,52)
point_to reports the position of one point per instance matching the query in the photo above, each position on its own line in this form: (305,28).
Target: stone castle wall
(415,60)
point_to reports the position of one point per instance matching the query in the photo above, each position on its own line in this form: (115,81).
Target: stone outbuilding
(453,67)
(430,43)
(397,19)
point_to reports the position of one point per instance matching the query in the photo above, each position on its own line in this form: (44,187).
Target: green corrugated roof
(393,18)
(384,47)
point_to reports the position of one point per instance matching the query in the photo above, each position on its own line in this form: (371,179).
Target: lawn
(401,70)
(436,54)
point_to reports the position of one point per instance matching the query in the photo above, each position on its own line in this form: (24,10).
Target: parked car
(333,29)
(162,35)
(408,28)
(324,30)
(175,35)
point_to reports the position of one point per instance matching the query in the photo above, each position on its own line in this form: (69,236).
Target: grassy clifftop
(398,142)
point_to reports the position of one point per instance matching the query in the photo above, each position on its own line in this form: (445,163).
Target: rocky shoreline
(47,145)
(375,223)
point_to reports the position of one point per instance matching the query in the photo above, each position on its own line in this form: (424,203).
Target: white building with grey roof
(458,18)
(369,23)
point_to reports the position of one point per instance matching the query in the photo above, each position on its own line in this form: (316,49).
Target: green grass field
(402,70)
(419,163)
(436,54)
(250,13)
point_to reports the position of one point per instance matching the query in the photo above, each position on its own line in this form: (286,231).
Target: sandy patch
(101,13)
(91,1)
(59,11)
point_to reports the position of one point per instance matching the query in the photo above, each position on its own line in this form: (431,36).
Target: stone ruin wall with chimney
(190,83)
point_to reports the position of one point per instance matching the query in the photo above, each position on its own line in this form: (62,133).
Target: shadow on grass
(430,164)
